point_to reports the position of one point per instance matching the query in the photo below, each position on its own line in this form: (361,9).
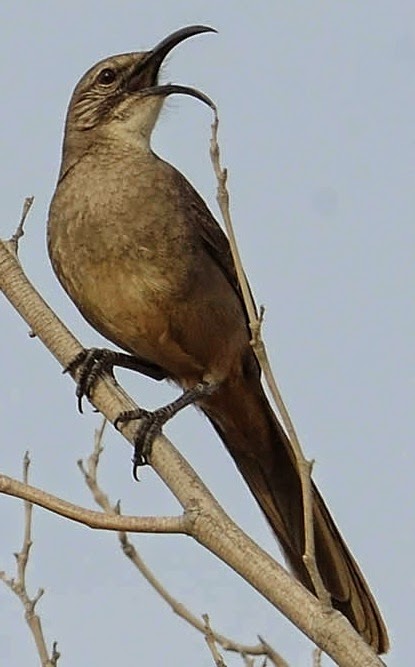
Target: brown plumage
(147,265)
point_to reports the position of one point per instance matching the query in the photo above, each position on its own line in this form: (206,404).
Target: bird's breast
(120,265)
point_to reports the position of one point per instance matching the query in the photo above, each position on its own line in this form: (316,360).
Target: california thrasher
(143,259)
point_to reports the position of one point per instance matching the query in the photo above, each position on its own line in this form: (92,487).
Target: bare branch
(317,656)
(255,322)
(18,585)
(96,520)
(276,658)
(211,642)
(223,201)
(14,241)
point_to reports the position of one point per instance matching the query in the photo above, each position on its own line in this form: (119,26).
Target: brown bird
(143,259)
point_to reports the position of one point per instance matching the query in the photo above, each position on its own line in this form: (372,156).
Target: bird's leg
(93,363)
(151,423)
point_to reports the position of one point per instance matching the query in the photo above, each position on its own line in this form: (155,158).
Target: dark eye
(107,76)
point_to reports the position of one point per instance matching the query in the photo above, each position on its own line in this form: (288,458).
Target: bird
(144,260)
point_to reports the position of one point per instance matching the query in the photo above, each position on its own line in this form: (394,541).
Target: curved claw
(141,437)
(91,364)
(90,369)
(137,464)
(79,395)
(144,437)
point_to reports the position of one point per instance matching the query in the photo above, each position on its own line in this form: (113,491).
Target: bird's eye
(107,76)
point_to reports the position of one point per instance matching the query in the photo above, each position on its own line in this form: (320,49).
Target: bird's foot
(91,364)
(151,423)
(150,426)
(94,363)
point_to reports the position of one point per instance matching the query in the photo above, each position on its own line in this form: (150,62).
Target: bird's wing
(212,236)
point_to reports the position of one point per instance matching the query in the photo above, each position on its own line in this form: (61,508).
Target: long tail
(246,423)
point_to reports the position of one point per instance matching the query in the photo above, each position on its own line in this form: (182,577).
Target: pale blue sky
(317,129)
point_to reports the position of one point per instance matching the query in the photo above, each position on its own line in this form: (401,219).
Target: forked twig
(19,587)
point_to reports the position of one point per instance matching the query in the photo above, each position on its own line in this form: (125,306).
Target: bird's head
(120,98)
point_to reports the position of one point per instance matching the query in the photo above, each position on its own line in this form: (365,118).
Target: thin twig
(304,466)
(211,642)
(276,658)
(95,520)
(317,657)
(223,201)
(14,241)
(19,588)
(250,662)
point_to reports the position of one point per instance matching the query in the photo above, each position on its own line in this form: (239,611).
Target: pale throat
(134,127)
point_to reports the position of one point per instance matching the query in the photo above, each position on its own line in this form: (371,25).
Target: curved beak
(168,43)
(172,88)
(143,78)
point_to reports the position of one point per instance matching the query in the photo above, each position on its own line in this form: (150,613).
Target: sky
(316,102)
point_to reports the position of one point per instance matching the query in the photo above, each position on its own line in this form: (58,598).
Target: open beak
(143,78)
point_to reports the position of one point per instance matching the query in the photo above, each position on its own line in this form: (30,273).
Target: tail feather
(246,423)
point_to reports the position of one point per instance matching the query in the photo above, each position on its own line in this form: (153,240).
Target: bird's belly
(171,315)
